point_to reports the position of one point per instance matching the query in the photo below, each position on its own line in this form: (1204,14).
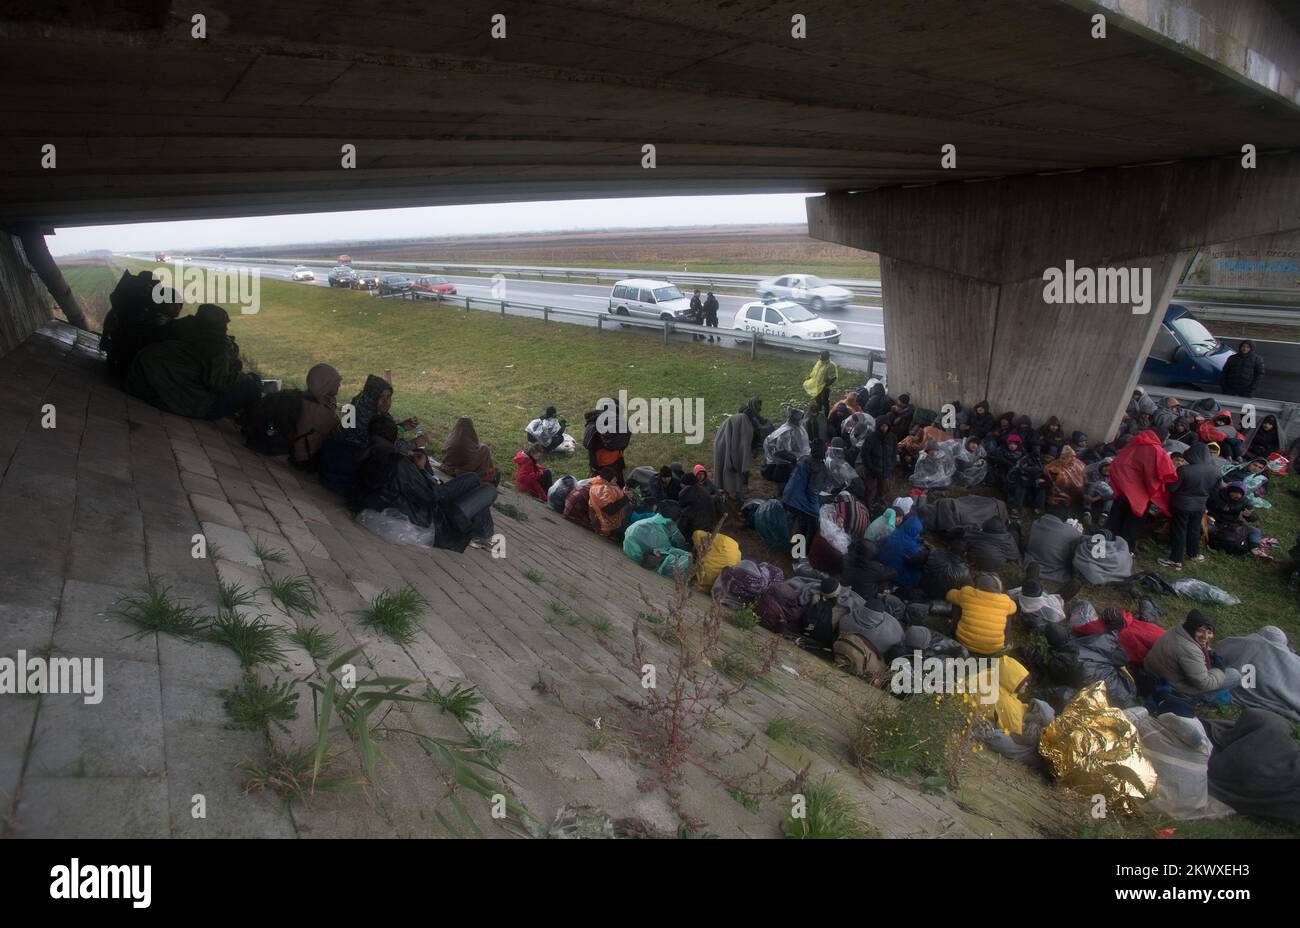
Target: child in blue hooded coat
(902,552)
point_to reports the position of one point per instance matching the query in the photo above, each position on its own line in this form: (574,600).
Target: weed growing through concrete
(601,625)
(510,511)
(234,595)
(156,612)
(829,813)
(293,594)
(253,706)
(315,642)
(269,555)
(461,702)
(749,802)
(536,576)
(490,745)
(396,614)
(745,618)
(288,774)
(918,738)
(795,732)
(254,641)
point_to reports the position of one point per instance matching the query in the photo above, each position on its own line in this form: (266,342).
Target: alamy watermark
(947,676)
(53,675)
(1098,286)
(223,286)
(658,415)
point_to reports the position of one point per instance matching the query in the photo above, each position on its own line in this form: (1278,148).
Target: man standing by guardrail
(711,313)
(1243,371)
(819,382)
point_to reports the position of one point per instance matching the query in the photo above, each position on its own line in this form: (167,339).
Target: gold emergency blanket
(1092,747)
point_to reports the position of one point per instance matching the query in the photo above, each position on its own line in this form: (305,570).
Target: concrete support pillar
(951,337)
(38,253)
(963,264)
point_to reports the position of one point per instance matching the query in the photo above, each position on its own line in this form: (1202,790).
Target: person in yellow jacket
(714,552)
(982,625)
(1008,712)
(818,384)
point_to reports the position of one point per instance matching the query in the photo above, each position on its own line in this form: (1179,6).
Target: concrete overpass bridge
(1122,151)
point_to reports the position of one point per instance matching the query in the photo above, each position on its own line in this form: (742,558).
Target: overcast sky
(433,221)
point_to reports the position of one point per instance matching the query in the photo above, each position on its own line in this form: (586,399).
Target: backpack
(778,608)
(1229,538)
(271,425)
(819,622)
(856,655)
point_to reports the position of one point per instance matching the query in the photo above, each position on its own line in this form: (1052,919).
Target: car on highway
(393,283)
(365,280)
(785,317)
(343,276)
(433,286)
(805,289)
(302,273)
(657,299)
(1184,353)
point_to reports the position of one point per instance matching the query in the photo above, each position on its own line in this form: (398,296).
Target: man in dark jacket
(1188,498)
(139,317)
(711,313)
(877,402)
(696,313)
(992,546)
(1243,371)
(877,460)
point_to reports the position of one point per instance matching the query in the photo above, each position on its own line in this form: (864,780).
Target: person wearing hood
(854,431)
(982,612)
(802,493)
(883,525)
(464,454)
(546,430)
(733,453)
(1228,507)
(1182,656)
(997,437)
(1003,459)
(840,475)
(862,573)
(1277,671)
(976,423)
(842,410)
(375,402)
(606,435)
(1136,636)
(762,428)
(1188,497)
(783,449)
(199,375)
(530,477)
(972,468)
(1243,371)
(1026,481)
(699,507)
(878,402)
(904,554)
(1051,438)
(319,416)
(877,459)
(1067,475)
(608,505)
(819,382)
(1265,440)
(1140,476)
(903,413)
(668,486)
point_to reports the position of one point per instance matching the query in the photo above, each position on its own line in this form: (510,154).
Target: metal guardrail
(874,357)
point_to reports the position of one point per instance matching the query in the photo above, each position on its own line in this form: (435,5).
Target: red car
(434,286)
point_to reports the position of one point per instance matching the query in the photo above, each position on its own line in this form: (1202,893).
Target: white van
(657,299)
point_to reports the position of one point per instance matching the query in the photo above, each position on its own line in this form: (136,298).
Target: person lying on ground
(199,374)
(1136,636)
(992,546)
(530,477)
(464,454)
(1276,671)
(656,544)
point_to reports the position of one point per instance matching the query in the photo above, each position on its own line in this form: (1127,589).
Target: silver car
(806,290)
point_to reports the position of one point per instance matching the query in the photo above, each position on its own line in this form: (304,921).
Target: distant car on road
(393,283)
(303,273)
(434,286)
(1185,353)
(343,276)
(806,290)
(365,280)
(657,299)
(785,317)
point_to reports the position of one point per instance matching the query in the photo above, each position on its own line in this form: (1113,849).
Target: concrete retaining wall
(24,303)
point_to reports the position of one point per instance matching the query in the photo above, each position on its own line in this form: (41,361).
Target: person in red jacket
(530,478)
(1136,636)
(1139,475)
(1220,431)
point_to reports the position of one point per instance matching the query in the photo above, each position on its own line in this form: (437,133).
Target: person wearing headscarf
(1182,656)
(819,382)
(753,408)
(972,467)
(546,430)
(733,453)
(464,454)
(1140,476)
(319,417)
(374,401)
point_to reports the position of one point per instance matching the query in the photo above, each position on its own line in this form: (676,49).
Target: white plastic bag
(566,446)
(393,527)
(1204,592)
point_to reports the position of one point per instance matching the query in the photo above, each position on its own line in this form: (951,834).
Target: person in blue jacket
(903,552)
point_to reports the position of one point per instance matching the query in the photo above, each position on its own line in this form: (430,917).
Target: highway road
(860,326)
